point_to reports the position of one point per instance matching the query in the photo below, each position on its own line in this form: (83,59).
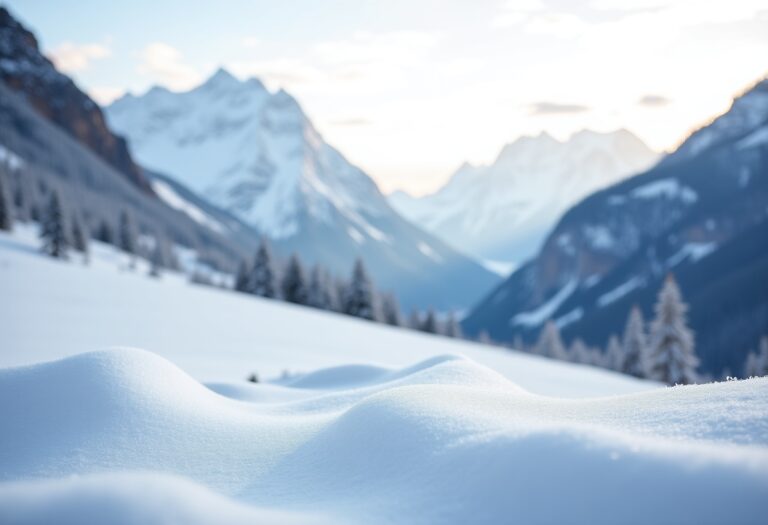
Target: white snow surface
(425,430)
(514,202)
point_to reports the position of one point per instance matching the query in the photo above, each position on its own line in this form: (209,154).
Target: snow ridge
(307,446)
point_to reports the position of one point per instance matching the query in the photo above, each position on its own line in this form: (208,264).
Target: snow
(10,159)
(669,188)
(569,318)
(545,311)
(427,250)
(422,430)
(183,323)
(126,432)
(177,202)
(503,211)
(619,292)
(693,251)
(502,268)
(756,138)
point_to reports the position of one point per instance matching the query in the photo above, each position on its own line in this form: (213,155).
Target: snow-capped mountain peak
(256,154)
(502,211)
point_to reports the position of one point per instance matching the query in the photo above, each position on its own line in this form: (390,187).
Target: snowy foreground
(125,436)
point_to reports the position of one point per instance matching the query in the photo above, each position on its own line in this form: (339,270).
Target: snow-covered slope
(503,211)
(425,430)
(256,154)
(446,440)
(217,334)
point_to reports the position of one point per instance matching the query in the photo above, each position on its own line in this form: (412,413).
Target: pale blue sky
(410,89)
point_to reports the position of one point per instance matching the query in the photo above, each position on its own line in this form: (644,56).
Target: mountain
(24,69)
(255,154)
(53,137)
(701,213)
(502,212)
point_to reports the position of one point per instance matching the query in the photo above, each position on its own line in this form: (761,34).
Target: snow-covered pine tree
(321,290)
(614,354)
(294,284)
(452,326)
(359,297)
(6,211)
(390,310)
(241,278)
(757,363)
(159,258)
(53,230)
(79,236)
(127,236)
(262,280)
(484,338)
(671,355)
(414,320)
(430,322)
(635,344)
(550,344)
(579,353)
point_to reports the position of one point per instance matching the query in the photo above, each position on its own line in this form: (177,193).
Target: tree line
(64,231)
(663,350)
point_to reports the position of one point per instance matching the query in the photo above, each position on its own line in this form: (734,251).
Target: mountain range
(701,213)
(503,211)
(255,154)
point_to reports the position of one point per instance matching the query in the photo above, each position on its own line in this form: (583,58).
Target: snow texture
(417,434)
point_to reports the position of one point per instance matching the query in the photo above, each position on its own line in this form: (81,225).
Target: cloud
(105,95)
(250,42)
(69,57)
(363,62)
(164,64)
(555,108)
(653,101)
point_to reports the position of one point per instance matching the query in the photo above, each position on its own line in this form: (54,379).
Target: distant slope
(502,212)
(256,155)
(701,213)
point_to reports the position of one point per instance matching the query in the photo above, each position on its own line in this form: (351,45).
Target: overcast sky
(409,89)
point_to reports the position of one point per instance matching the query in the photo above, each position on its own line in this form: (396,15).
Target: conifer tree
(614,354)
(294,286)
(359,297)
(414,320)
(127,237)
(757,363)
(6,211)
(452,326)
(550,344)
(53,229)
(79,236)
(160,256)
(518,344)
(390,310)
(241,278)
(672,355)
(321,290)
(104,233)
(635,345)
(262,280)
(579,353)
(430,322)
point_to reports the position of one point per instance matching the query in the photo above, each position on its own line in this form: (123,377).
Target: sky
(410,89)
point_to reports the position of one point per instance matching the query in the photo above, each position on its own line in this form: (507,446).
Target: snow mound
(446,440)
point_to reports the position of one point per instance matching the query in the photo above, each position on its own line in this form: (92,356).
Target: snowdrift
(126,434)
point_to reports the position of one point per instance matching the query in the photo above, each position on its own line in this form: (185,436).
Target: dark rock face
(24,69)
